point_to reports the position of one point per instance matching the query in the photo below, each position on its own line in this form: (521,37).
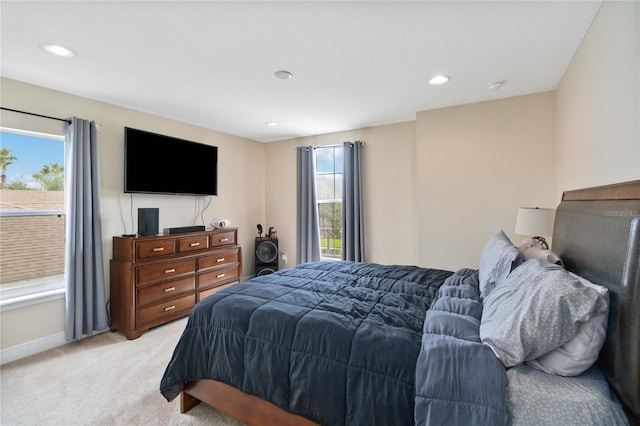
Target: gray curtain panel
(352,217)
(308,224)
(86,309)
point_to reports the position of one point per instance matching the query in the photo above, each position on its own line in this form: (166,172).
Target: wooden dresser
(159,278)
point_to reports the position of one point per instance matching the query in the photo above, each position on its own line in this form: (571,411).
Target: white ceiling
(355,64)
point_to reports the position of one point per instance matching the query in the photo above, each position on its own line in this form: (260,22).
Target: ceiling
(355,64)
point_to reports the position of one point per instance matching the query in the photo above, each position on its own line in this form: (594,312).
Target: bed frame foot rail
(187,402)
(249,409)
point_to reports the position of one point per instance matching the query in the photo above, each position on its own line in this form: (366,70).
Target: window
(32,217)
(329,164)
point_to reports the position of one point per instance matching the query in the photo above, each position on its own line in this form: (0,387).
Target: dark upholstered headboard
(597,235)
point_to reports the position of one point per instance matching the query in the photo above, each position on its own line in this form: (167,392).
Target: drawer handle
(220,260)
(168,271)
(194,244)
(158,249)
(219,275)
(224,240)
(167,290)
(168,308)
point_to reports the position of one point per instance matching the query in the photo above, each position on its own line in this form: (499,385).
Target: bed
(360,343)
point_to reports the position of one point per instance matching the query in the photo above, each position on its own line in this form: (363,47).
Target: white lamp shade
(535,221)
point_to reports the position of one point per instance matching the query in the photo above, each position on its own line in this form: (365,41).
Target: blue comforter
(459,381)
(340,343)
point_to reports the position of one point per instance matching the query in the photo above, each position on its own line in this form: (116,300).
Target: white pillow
(578,354)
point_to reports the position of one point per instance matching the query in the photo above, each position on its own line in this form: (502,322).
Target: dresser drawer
(218,259)
(160,312)
(186,245)
(219,275)
(208,292)
(145,274)
(223,239)
(158,292)
(153,249)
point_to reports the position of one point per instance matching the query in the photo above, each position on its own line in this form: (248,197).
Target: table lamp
(535,222)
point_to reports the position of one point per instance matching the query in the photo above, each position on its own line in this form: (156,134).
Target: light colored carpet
(101,380)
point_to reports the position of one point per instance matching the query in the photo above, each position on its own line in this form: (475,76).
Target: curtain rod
(37,115)
(336,145)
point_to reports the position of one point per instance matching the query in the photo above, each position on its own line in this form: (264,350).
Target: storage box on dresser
(159,278)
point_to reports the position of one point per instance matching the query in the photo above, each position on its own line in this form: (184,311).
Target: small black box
(183,229)
(148,221)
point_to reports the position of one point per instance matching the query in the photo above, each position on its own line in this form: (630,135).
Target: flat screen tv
(158,164)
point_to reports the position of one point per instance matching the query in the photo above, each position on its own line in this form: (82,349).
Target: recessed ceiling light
(283,75)
(56,49)
(495,85)
(271,123)
(438,80)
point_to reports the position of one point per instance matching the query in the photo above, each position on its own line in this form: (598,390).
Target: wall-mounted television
(159,164)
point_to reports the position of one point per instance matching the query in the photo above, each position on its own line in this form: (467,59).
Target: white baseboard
(31,348)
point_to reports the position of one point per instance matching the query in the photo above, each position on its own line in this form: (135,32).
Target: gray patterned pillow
(499,257)
(536,309)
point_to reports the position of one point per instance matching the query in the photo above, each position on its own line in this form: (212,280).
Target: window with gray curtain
(330,206)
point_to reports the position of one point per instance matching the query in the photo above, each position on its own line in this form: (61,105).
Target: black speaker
(266,256)
(148,221)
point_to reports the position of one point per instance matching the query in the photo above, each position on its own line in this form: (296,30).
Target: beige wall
(388,174)
(241,165)
(31,323)
(476,165)
(437,188)
(598,103)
